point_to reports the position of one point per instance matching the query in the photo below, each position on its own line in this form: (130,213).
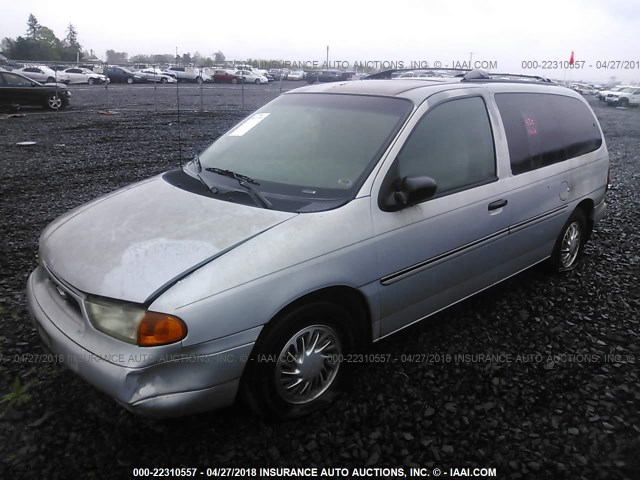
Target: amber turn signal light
(160,329)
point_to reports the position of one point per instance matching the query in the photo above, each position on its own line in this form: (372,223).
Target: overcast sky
(505,31)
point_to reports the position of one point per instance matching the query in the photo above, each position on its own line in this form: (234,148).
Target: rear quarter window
(544,129)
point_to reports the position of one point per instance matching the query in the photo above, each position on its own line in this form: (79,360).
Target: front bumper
(198,378)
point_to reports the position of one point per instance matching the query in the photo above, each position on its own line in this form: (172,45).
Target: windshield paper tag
(248,125)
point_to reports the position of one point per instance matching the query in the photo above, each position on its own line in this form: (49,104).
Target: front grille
(64,293)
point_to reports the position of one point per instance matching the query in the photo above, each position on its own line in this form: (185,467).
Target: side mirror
(407,191)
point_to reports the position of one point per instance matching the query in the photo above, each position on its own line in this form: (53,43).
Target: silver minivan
(332,217)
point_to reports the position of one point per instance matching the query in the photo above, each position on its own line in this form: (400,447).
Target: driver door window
(453,144)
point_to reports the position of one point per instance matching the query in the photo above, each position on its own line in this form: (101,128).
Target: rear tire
(570,243)
(295,368)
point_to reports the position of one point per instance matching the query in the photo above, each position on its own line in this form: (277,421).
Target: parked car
(295,75)
(629,96)
(332,217)
(226,76)
(82,75)
(17,90)
(602,94)
(155,76)
(250,77)
(42,74)
(183,74)
(328,76)
(123,75)
(257,71)
(279,73)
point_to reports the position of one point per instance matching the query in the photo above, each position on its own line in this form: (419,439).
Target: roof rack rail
(387,74)
(483,76)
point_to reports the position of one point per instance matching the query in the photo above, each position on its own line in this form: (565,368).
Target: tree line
(41,43)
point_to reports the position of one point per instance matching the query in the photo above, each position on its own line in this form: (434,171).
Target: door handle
(497,204)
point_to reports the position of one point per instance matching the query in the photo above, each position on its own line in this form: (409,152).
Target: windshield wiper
(245,182)
(196,160)
(232,174)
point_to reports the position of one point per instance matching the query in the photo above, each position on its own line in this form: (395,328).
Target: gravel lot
(562,401)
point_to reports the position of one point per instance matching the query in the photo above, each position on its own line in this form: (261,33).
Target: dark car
(224,76)
(278,73)
(328,76)
(17,90)
(122,75)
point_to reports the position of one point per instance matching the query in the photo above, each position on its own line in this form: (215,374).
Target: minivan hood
(135,242)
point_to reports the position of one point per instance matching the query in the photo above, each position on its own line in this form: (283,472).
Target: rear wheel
(54,102)
(570,243)
(296,367)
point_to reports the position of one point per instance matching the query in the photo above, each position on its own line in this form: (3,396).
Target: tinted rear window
(544,129)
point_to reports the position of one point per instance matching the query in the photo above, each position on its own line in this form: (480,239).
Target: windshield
(627,90)
(306,149)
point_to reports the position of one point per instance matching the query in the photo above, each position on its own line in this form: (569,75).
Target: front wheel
(624,102)
(199,80)
(296,367)
(51,80)
(129,80)
(234,80)
(570,243)
(54,102)
(257,82)
(91,81)
(163,80)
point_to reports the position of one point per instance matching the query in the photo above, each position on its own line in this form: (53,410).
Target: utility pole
(327,57)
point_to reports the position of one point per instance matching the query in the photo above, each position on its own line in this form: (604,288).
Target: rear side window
(544,129)
(453,144)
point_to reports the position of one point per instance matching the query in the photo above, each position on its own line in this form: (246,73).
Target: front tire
(91,81)
(257,82)
(295,368)
(54,102)
(570,243)
(199,80)
(129,80)
(51,80)
(234,80)
(624,102)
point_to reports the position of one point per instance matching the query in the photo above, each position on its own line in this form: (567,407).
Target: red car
(224,76)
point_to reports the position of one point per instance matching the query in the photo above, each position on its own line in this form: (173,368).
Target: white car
(629,96)
(295,75)
(43,74)
(250,77)
(602,94)
(154,75)
(188,74)
(84,75)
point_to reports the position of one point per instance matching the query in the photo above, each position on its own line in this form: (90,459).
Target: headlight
(132,324)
